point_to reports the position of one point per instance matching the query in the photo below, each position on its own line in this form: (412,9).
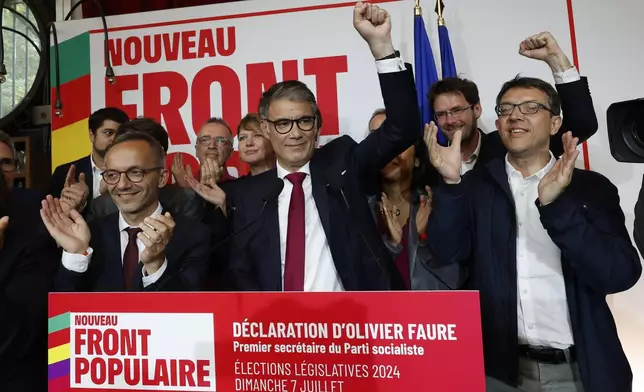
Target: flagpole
(439,11)
(418,10)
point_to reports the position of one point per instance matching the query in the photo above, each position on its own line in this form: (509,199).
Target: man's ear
(555,125)
(163,178)
(263,126)
(91,136)
(478,110)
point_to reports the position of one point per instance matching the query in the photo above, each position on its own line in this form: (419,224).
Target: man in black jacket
(457,106)
(136,248)
(318,233)
(545,244)
(28,262)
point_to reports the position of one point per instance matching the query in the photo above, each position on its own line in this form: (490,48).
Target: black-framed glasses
(454,112)
(8,165)
(219,140)
(133,174)
(529,107)
(284,125)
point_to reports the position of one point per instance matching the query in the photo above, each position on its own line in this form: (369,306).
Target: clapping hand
(374,26)
(207,188)
(4,223)
(558,178)
(69,230)
(179,171)
(424,211)
(394,229)
(75,192)
(155,235)
(447,160)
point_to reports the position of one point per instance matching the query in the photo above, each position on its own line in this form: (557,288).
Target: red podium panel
(295,342)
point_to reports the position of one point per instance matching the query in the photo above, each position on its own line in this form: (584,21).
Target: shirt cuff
(150,279)
(567,76)
(75,262)
(390,65)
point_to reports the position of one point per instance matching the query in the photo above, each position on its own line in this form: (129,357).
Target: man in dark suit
(102,128)
(545,244)
(28,261)
(457,106)
(9,166)
(177,200)
(136,248)
(317,237)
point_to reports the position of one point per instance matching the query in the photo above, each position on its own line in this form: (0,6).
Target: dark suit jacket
(187,254)
(638,230)
(255,261)
(178,201)
(28,262)
(83,165)
(474,223)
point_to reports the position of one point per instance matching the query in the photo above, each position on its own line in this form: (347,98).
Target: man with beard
(102,128)
(140,247)
(456,105)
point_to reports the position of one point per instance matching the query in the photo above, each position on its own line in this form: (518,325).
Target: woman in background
(402,208)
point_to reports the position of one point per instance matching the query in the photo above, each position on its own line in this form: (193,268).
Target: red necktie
(130,257)
(295,236)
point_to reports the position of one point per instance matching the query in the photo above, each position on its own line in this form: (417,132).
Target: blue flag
(447,56)
(426,74)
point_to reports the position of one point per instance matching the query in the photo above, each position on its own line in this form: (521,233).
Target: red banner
(295,342)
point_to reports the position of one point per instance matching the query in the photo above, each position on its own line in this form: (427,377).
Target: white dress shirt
(567,76)
(542,306)
(80,263)
(319,270)
(468,164)
(96,178)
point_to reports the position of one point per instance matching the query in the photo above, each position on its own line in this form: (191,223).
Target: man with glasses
(9,166)
(544,243)
(317,234)
(457,106)
(213,147)
(141,247)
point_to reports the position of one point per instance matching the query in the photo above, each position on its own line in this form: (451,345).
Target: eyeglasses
(133,174)
(454,112)
(219,140)
(8,165)
(284,125)
(529,107)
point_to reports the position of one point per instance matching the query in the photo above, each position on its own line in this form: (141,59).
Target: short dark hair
(130,136)
(251,119)
(466,87)
(220,121)
(292,90)
(524,82)
(375,113)
(97,118)
(149,126)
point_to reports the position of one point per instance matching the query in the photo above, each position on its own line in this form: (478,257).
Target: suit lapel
(85,166)
(496,168)
(320,194)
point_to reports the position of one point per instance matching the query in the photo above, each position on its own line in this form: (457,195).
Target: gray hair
(292,90)
(6,139)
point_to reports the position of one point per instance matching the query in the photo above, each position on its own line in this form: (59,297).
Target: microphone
(336,183)
(271,192)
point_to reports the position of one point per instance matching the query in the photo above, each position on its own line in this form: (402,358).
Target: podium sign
(295,342)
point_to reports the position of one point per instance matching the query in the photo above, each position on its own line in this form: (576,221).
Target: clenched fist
(374,26)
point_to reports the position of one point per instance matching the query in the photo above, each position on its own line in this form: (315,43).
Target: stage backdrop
(315,41)
(184,66)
